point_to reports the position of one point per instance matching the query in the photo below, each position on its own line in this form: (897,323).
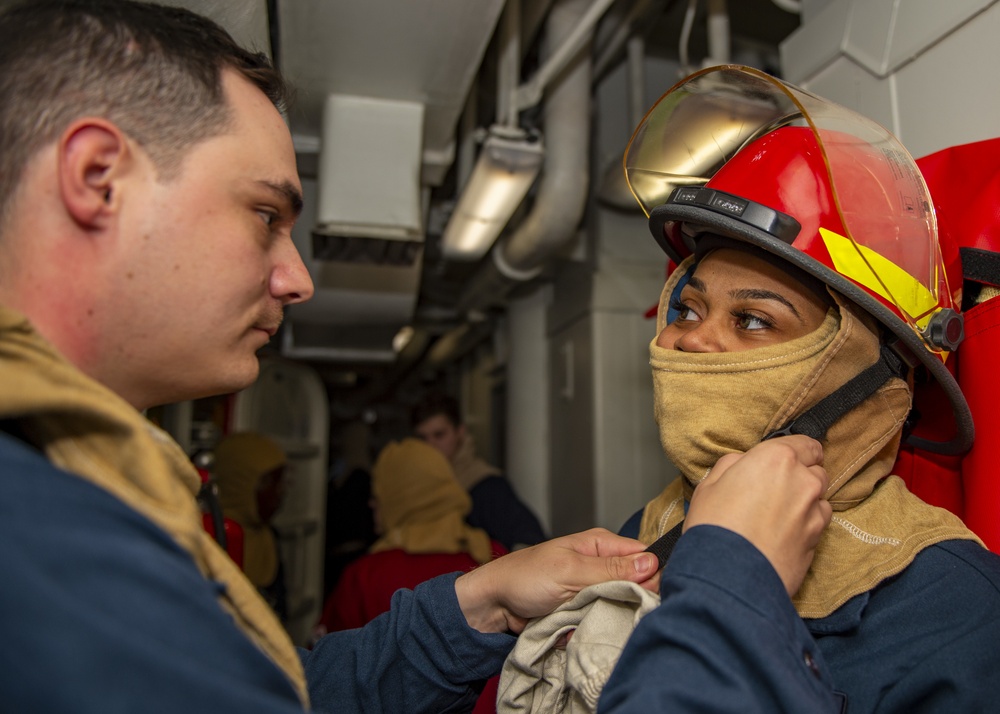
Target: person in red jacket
(420,510)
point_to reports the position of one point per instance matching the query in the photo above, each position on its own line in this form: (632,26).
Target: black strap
(208,497)
(816,421)
(981,266)
(663,546)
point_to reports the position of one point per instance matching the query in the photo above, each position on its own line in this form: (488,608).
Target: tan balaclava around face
(421,506)
(712,404)
(241,460)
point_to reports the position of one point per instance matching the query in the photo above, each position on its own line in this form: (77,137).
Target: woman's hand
(774,496)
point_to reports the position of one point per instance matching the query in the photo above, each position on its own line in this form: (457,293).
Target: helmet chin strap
(820,417)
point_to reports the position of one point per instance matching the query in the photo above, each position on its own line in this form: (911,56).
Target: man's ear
(93,155)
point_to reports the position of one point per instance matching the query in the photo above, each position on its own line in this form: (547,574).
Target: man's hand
(504,594)
(773,495)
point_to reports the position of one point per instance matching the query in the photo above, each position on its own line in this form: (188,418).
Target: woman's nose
(700,338)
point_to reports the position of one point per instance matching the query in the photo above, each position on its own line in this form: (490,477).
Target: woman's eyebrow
(748,294)
(757,294)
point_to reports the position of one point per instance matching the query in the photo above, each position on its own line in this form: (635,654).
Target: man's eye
(269,217)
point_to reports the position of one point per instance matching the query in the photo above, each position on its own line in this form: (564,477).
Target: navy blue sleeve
(421,656)
(498,511)
(725,638)
(102,612)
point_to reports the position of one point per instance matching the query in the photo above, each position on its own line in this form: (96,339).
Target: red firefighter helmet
(735,152)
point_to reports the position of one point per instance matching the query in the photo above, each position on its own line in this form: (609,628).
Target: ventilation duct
(369,169)
(365,249)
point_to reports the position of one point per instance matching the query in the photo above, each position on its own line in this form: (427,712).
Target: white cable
(686,35)
(792,6)
(718,33)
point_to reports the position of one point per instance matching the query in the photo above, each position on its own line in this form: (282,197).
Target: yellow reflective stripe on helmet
(880,275)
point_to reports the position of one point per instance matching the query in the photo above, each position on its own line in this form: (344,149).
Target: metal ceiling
(444,58)
(444,55)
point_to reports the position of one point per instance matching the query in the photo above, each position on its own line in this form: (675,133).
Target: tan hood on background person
(88,430)
(241,460)
(709,405)
(420,504)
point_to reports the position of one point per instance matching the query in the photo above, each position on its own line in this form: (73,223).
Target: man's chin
(233,381)
(200,386)
(247,376)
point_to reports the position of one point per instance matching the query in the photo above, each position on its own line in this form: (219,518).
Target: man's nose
(290,279)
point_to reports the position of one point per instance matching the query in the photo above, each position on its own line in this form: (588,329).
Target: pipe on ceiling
(719,49)
(792,6)
(636,24)
(561,195)
(613,189)
(580,35)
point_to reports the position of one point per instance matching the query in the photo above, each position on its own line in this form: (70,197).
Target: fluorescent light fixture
(508,163)
(402,338)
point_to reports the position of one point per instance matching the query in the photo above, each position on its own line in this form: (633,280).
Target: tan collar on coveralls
(86,429)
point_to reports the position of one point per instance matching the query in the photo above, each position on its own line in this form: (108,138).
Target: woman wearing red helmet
(810,291)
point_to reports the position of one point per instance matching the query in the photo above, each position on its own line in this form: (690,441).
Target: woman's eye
(684,312)
(749,321)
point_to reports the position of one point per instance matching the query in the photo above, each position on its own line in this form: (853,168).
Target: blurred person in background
(496,507)
(251,472)
(420,511)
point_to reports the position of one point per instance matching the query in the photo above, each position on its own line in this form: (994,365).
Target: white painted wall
(629,465)
(528,438)
(924,69)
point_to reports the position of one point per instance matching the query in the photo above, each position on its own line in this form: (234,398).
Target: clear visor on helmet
(890,245)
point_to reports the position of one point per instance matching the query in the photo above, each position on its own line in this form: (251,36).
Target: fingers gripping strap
(664,545)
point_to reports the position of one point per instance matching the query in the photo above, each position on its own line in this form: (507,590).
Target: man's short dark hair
(155,71)
(433,405)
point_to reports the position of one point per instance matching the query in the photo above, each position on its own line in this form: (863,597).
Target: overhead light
(507,165)
(402,338)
